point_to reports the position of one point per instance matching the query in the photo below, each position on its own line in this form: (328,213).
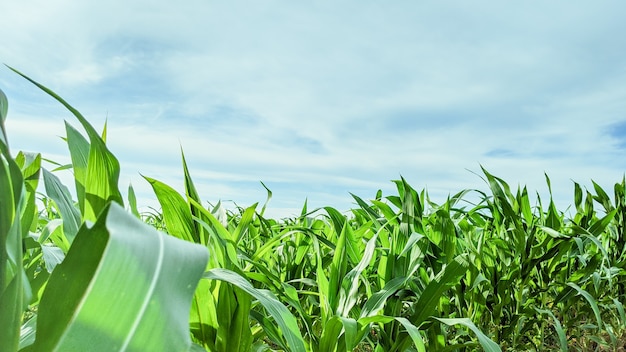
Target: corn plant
(103,279)
(484,270)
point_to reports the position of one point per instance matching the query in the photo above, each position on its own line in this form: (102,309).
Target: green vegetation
(397,273)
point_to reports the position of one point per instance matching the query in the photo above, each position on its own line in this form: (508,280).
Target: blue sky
(320,99)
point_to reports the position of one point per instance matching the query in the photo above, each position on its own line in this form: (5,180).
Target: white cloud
(329,97)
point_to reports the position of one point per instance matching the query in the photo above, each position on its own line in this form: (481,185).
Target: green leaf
(30,164)
(4,108)
(233,317)
(591,300)
(222,246)
(377,301)
(350,283)
(602,197)
(487,344)
(79,154)
(448,277)
(244,222)
(599,226)
(412,242)
(103,169)
(329,340)
(176,212)
(620,310)
(122,286)
(350,328)
(557,327)
(203,316)
(279,312)
(267,200)
(338,269)
(62,198)
(132,202)
(27,333)
(414,333)
(14,286)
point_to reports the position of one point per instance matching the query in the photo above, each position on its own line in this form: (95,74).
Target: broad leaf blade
(176,212)
(122,286)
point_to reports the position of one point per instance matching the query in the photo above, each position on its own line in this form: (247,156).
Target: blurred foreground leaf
(122,287)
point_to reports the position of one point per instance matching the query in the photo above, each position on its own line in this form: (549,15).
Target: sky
(321,99)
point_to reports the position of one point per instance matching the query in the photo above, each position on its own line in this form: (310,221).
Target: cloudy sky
(322,98)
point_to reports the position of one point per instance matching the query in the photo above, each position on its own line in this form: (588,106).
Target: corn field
(502,270)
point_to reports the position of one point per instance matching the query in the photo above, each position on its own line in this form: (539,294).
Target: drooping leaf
(122,286)
(487,344)
(414,333)
(592,302)
(103,169)
(63,199)
(279,312)
(557,327)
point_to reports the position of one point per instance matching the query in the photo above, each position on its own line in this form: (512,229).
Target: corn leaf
(448,277)
(487,344)
(176,213)
(144,278)
(103,169)
(14,286)
(79,154)
(62,197)
(279,312)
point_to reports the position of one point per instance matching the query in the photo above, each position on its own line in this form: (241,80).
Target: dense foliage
(396,273)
